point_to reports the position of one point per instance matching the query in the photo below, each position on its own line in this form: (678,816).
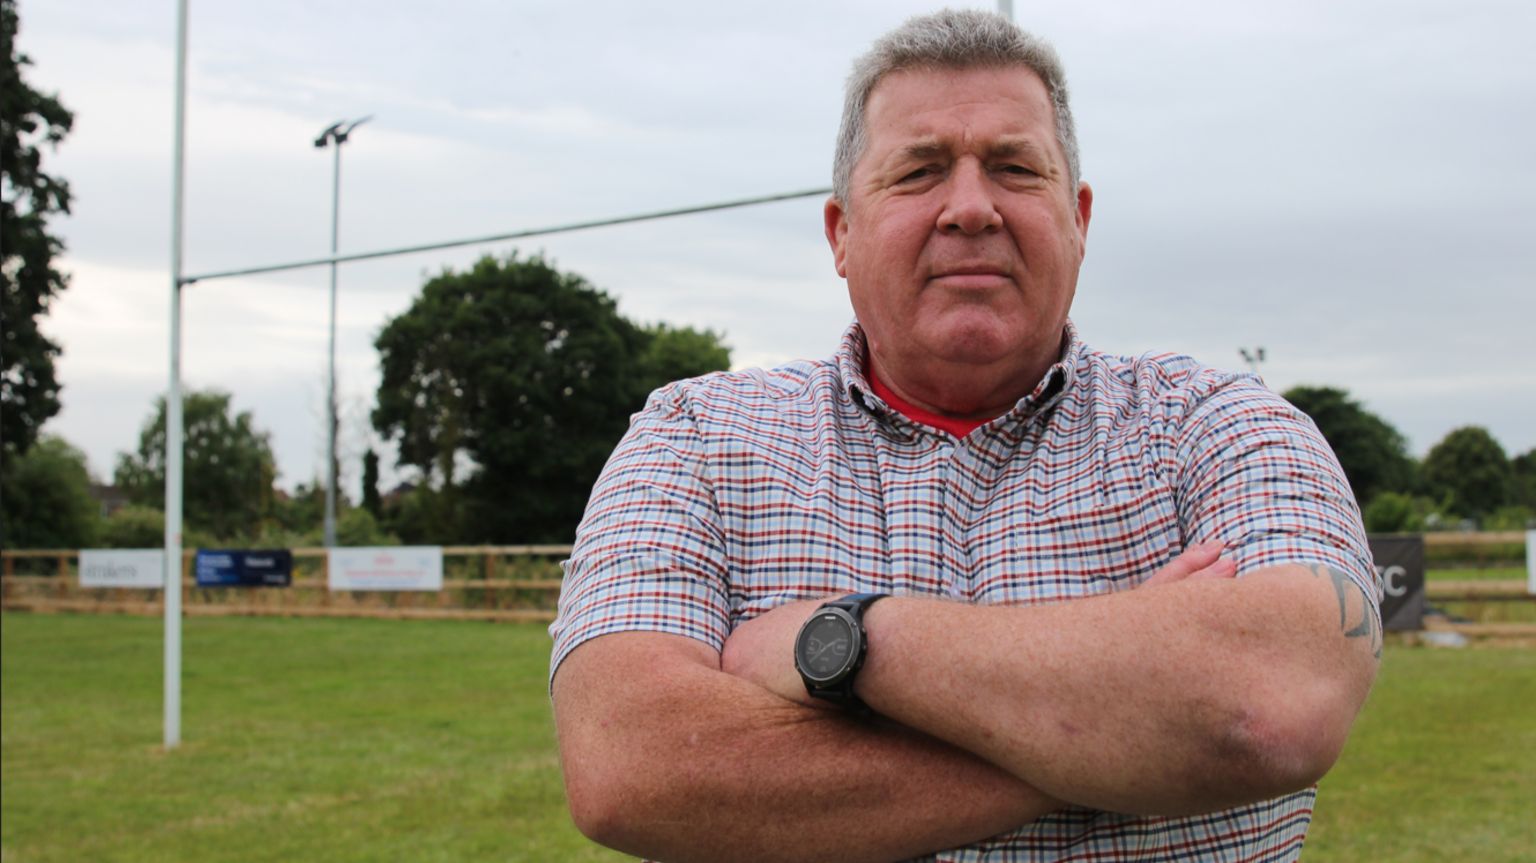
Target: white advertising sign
(1530,562)
(418,567)
(122,567)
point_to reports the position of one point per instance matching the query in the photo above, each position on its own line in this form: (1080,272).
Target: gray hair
(949,39)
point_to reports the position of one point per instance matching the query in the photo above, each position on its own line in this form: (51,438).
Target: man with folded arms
(969,589)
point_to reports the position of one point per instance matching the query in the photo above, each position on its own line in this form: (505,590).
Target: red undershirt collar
(956,426)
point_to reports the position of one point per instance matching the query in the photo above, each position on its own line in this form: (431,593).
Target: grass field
(356,740)
(325,740)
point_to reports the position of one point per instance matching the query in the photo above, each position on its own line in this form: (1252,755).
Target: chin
(974,345)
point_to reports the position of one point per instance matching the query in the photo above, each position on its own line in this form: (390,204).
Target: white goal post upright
(173,421)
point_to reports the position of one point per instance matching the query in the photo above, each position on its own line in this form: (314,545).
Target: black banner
(1400,566)
(229,568)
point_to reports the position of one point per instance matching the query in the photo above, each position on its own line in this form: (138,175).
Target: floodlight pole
(1253,359)
(173,419)
(336,134)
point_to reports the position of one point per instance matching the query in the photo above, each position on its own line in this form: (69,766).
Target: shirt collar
(1058,378)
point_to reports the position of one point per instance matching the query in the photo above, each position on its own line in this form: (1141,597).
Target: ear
(1084,213)
(836,224)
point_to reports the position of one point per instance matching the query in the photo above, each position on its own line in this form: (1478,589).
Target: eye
(1018,171)
(918,174)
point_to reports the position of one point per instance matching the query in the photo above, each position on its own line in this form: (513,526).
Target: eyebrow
(1003,149)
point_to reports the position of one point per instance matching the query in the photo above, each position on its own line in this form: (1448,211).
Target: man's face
(961,240)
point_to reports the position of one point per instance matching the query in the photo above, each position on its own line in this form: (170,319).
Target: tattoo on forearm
(1344,587)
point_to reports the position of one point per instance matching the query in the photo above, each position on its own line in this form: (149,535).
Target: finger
(1189,561)
(1224,567)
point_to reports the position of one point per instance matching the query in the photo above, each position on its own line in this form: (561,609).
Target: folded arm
(1177,698)
(668,757)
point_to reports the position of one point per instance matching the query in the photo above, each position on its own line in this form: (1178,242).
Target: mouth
(972,276)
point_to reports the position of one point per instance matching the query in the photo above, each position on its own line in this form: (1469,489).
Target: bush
(359,527)
(1392,512)
(46,497)
(1510,518)
(144,527)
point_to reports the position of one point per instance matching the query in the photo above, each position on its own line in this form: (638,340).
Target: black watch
(830,649)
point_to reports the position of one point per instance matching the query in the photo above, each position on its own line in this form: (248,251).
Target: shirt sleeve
(1254,471)
(649,553)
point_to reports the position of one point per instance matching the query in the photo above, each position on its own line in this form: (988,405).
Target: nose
(969,208)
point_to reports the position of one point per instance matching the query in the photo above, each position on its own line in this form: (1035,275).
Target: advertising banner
(1530,562)
(244,568)
(122,567)
(418,567)
(1400,565)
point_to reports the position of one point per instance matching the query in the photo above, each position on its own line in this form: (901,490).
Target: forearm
(713,767)
(1176,699)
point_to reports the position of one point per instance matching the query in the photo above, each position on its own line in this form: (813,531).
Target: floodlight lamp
(329,133)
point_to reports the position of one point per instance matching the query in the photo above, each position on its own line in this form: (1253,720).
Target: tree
(228,467)
(371,501)
(301,512)
(29,391)
(135,526)
(508,385)
(1374,455)
(46,498)
(674,354)
(1522,482)
(1468,468)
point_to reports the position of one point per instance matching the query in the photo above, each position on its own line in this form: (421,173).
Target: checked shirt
(737,492)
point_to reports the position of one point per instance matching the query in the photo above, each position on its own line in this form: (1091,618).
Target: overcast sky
(1349,184)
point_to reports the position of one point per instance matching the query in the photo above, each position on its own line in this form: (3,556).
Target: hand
(1198,561)
(762,650)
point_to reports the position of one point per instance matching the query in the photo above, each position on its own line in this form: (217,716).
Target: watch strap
(841,693)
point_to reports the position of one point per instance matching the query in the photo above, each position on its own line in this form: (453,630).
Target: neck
(958,390)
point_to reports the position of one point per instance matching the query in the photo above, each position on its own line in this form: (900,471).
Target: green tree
(508,385)
(228,467)
(46,498)
(29,391)
(1392,512)
(357,526)
(371,500)
(1374,455)
(136,526)
(301,512)
(425,515)
(1469,469)
(675,353)
(1522,480)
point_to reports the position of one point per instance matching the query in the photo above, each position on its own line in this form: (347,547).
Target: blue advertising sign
(245,568)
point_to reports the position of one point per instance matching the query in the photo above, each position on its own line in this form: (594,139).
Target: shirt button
(954,591)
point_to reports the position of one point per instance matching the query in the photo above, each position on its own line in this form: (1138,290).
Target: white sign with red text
(411,567)
(122,567)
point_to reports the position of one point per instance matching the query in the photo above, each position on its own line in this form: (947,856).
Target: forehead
(943,102)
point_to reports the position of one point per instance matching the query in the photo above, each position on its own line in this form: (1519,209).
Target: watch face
(826,646)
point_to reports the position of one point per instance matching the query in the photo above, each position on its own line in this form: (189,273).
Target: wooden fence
(491,582)
(515,583)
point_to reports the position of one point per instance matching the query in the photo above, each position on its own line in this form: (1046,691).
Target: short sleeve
(649,554)
(1254,471)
